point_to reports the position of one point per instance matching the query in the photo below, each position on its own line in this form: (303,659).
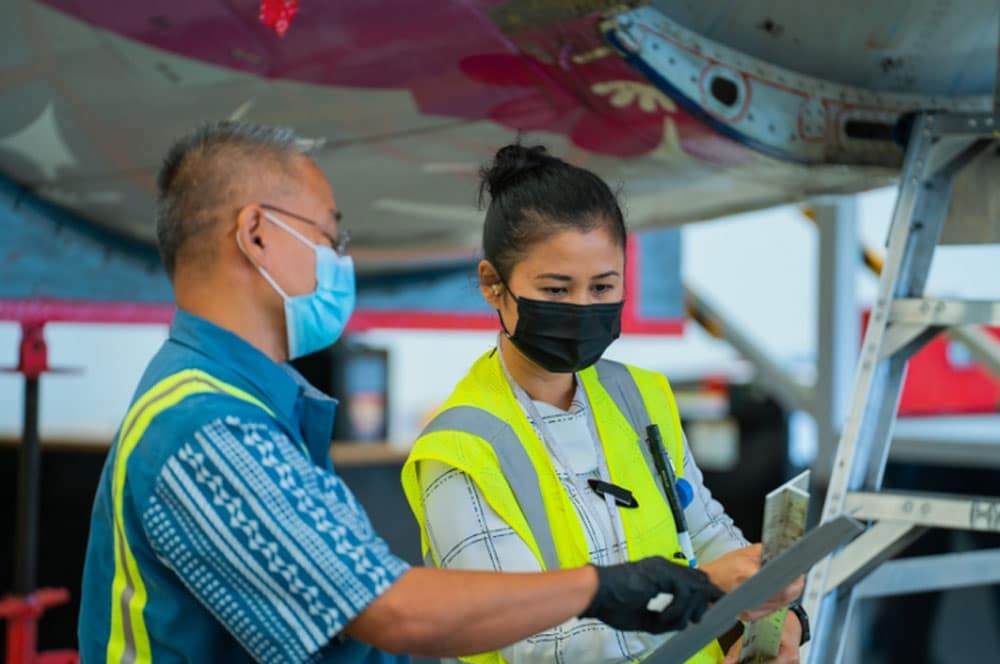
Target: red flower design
(278,14)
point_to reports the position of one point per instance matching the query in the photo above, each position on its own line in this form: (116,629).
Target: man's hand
(623,592)
(737,566)
(789,651)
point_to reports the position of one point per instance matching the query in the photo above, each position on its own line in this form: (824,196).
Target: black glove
(623,591)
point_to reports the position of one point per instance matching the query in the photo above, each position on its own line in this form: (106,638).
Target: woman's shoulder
(484,387)
(482,384)
(609,370)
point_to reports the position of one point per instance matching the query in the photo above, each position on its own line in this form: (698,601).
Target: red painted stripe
(430,320)
(78,311)
(366,319)
(71,311)
(665,326)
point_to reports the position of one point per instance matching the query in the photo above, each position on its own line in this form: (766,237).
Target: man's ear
(250,236)
(490,284)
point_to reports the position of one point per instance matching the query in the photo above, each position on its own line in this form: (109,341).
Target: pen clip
(623,497)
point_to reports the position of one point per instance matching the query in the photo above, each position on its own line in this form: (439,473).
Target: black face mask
(562,337)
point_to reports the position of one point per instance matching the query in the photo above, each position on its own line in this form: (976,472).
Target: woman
(539,458)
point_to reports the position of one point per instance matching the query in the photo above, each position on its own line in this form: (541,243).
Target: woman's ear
(490,284)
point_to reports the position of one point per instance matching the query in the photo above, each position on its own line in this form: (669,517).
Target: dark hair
(204,170)
(534,195)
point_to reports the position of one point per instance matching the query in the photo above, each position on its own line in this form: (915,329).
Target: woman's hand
(790,639)
(737,566)
(733,568)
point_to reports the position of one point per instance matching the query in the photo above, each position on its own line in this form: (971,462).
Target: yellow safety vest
(129,638)
(482,431)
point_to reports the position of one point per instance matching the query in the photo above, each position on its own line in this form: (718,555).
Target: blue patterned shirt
(246,542)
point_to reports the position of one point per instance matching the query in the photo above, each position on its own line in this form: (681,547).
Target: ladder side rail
(876,545)
(924,190)
(930,211)
(865,374)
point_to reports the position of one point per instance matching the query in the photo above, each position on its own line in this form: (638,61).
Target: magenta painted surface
(451,57)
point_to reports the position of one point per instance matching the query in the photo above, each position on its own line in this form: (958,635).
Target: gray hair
(203,172)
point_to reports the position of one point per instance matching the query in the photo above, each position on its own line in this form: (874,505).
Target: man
(220,531)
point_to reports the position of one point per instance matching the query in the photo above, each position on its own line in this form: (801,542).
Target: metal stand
(826,397)
(901,322)
(24,608)
(29,462)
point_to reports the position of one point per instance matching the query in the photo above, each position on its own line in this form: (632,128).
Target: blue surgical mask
(316,320)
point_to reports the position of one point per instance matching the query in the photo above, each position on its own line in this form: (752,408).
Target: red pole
(23,609)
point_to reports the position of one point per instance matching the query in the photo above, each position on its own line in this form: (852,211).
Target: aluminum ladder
(902,321)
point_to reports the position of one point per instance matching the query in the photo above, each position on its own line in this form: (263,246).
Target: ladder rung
(949,440)
(881,541)
(944,313)
(931,573)
(931,510)
(946,453)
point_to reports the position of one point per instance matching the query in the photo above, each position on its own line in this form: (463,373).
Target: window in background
(358,377)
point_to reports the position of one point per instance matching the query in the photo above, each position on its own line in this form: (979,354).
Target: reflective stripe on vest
(618,382)
(129,638)
(515,464)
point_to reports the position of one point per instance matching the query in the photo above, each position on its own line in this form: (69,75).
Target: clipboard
(756,590)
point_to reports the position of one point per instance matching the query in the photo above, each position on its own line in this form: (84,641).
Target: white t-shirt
(466,533)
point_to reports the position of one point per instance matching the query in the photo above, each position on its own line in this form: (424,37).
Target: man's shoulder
(199,421)
(179,378)
(172,359)
(180,394)
(191,410)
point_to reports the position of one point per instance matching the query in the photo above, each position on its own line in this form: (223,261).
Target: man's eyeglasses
(339,243)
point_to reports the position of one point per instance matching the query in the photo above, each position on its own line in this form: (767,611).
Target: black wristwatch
(803,620)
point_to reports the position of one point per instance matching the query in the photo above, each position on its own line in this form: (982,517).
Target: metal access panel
(974,213)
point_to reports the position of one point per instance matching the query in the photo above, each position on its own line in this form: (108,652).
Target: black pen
(669,481)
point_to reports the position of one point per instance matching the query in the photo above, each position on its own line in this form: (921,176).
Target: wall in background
(759,267)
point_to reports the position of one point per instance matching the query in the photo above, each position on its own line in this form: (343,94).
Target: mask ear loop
(263,272)
(496,291)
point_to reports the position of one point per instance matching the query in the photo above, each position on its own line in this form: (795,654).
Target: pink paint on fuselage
(450,56)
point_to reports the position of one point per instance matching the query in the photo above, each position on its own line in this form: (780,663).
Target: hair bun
(510,164)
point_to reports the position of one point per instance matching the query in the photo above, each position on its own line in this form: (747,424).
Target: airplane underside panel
(686,105)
